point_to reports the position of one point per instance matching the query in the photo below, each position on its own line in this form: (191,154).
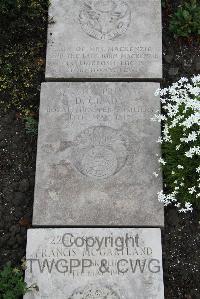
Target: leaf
(24,222)
(186,21)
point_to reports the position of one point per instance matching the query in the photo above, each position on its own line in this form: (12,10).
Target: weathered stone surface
(104,39)
(97,154)
(95,263)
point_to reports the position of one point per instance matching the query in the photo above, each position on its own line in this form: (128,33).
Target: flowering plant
(180,141)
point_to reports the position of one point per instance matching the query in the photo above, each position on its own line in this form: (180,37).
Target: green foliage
(12,285)
(180,141)
(163,2)
(186,20)
(187,176)
(31,125)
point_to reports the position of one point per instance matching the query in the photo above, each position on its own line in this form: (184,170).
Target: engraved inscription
(97,263)
(95,292)
(104,59)
(105,19)
(108,39)
(99,152)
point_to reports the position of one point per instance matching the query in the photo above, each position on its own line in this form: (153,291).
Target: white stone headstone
(104,39)
(97,263)
(97,152)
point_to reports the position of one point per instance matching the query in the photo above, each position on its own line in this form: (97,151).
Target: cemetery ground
(22,60)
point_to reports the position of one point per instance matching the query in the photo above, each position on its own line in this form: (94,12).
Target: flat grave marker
(97,152)
(95,263)
(104,39)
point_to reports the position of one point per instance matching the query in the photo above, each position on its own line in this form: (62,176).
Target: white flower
(166,134)
(196,79)
(158,117)
(196,91)
(172,196)
(191,137)
(161,196)
(193,151)
(161,161)
(178,205)
(157,92)
(188,154)
(163,91)
(181,110)
(163,101)
(188,208)
(192,190)
(155,174)
(160,140)
(180,167)
(182,80)
(191,120)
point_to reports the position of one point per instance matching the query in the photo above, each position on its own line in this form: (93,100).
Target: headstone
(95,263)
(104,39)
(97,152)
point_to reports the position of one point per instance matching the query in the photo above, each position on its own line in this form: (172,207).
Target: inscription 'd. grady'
(105,19)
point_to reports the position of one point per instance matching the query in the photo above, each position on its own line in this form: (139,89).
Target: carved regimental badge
(105,19)
(99,152)
(95,292)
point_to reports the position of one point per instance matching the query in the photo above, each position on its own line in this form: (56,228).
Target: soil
(181,236)
(18,154)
